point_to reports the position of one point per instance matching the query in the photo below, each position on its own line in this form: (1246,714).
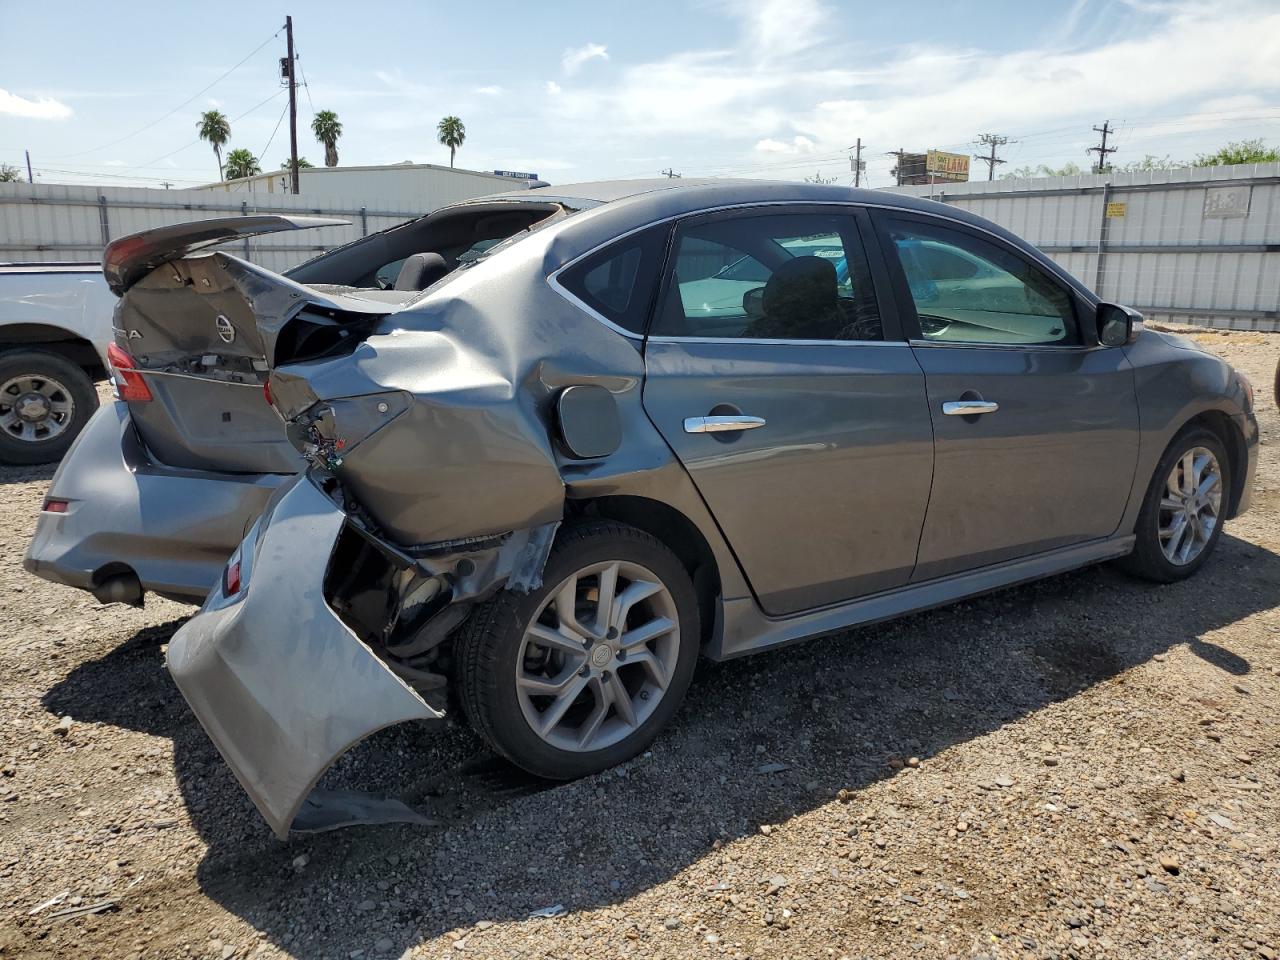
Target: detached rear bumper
(173,528)
(281,685)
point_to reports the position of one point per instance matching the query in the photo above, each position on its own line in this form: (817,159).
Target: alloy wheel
(35,408)
(598,656)
(1191,506)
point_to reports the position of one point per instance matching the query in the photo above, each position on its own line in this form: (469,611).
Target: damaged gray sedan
(554,446)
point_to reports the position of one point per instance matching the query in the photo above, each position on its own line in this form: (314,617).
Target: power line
(263,103)
(127,136)
(991,140)
(263,154)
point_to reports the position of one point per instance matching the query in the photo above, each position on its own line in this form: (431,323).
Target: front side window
(618,282)
(775,276)
(970,290)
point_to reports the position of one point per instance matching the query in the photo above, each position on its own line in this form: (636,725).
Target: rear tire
(604,697)
(1170,546)
(45,401)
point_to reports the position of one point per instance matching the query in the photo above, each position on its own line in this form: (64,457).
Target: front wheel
(584,672)
(1181,518)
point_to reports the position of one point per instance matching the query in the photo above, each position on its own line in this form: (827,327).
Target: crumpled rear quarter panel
(483,358)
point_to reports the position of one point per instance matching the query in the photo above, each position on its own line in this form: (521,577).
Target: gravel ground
(1084,767)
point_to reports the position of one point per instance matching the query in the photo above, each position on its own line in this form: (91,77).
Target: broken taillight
(231,578)
(130,384)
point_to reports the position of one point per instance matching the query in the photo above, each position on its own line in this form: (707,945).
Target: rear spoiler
(129,259)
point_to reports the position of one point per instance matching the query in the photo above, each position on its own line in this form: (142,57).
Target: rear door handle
(721,424)
(969,408)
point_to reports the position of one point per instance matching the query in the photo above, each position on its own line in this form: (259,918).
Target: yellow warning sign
(1116,210)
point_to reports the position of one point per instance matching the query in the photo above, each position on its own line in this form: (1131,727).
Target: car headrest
(420,271)
(800,292)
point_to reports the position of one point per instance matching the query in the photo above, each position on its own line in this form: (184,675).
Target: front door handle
(969,408)
(721,424)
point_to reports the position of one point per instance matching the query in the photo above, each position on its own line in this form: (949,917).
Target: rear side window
(771,276)
(618,282)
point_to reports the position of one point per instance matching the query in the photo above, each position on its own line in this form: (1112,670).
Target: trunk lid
(201,329)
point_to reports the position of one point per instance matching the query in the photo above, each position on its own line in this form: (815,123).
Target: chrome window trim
(788,343)
(952,344)
(553,278)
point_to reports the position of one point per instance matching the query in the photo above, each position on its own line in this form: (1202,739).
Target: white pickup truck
(55,326)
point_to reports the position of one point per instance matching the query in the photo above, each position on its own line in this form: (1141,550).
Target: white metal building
(407,186)
(42,221)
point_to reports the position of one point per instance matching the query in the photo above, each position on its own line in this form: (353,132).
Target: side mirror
(753,303)
(1117,325)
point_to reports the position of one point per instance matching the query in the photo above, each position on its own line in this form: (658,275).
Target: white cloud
(796,146)
(554,88)
(41,108)
(492,91)
(575,57)
(780,28)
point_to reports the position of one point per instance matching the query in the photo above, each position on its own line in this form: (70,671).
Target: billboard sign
(953,167)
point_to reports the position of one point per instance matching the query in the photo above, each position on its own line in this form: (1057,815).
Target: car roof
(711,191)
(617,206)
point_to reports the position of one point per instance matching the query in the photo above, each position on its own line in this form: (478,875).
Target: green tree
(303,164)
(10,173)
(1151,162)
(214,127)
(241,163)
(1043,170)
(451,133)
(327,129)
(1239,151)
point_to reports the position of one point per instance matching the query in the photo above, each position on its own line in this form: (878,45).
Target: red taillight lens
(231,579)
(129,382)
(266,392)
(55,506)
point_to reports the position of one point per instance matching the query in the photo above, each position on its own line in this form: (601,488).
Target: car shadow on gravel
(832,712)
(31,474)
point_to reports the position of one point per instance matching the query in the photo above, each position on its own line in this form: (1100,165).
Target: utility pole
(31,177)
(857,164)
(166,184)
(897,171)
(991,140)
(669,173)
(293,104)
(1102,150)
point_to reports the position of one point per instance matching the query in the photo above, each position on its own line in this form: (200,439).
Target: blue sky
(588,90)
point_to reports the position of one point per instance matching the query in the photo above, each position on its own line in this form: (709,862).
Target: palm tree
(452,133)
(327,129)
(241,163)
(215,128)
(303,164)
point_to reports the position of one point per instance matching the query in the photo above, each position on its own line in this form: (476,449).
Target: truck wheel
(582,673)
(45,401)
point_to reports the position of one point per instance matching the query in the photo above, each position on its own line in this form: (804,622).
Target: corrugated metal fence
(44,222)
(1185,246)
